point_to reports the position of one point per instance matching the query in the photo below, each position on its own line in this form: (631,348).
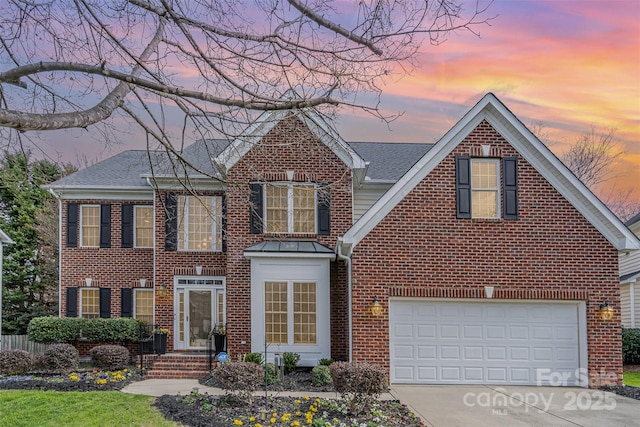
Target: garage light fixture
(605,312)
(375,308)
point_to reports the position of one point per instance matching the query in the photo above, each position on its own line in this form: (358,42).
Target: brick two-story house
(484,258)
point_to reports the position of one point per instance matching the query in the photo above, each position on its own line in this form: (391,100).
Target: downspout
(632,303)
(347,259)
(57,196)
(153,279)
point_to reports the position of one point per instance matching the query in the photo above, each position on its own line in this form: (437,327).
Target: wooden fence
(21,342)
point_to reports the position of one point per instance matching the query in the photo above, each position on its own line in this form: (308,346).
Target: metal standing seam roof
(387,162)
(290,246)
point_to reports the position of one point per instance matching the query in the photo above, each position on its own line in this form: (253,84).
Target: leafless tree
(208,65)
(593,159)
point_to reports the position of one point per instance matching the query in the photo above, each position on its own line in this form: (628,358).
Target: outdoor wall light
(162,291)
(88,281)
(605,312)
(375,308)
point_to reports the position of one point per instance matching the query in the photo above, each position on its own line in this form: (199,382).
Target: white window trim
(290,207)
(135,306)
(82,227)
(497,187)
(214,226)
(135,226)
(82,290)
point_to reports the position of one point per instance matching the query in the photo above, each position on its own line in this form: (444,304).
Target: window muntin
(143,305)
(90,303)
(144,226)
(290,208)
(304,313)
(485,197)
(90,225)
(291,312)
(199,223)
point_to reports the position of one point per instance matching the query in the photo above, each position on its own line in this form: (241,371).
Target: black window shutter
(256,205)
(463,186)
(510,187)
(72,302)
(126,302)
(324,214)
(72,225)
(127,226)
(171,222)
(105,226)
(105,303)
(224,223)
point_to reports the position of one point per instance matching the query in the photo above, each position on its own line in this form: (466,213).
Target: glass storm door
(200,305)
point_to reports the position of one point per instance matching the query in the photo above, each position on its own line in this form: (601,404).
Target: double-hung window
(144,226)
(143,305)
(290,208)
(90,225)
(199,223)
(89,302)
(485,195)
(290,309)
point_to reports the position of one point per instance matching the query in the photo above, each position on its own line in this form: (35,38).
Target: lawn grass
(631,378)
(82,409)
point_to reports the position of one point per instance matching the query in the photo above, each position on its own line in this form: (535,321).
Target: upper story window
(487,187)
(144,226)
(199,223)
(90,225)
(289,208)
(485,200)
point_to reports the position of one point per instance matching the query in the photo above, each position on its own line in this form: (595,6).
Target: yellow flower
(258,425)
(74,377)
(297,401)
(273,420)
(295,424)
(275,414)
(306,398)
(298,413)
(252,418)
(237,422)
(101,381)
(286,417)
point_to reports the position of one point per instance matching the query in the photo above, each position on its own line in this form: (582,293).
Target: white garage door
(435,342)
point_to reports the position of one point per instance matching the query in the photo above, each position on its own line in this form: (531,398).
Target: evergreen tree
(28,212)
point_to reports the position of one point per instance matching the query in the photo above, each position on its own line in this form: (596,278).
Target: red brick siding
(551,252)
(289,146)
(113,267)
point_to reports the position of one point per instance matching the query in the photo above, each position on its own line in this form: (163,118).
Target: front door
(199,307)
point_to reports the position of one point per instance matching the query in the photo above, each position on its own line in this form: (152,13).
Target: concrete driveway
(512,406)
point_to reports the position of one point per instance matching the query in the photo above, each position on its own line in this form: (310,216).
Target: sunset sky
(568,64)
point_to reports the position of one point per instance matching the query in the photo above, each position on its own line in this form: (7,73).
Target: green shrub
(240,379)
(631,346)
(39,362)
(54,329)
(325,362)
(13,361)
(358,383)
(272,374)
(253,358)
(290,362)
(111,357)
(71,329)
(61,357)
(320,376)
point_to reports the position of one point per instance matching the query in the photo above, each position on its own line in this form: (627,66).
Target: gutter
(347,259)
(58,196)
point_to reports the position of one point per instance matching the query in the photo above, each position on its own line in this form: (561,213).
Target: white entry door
(199,307)
(501,342)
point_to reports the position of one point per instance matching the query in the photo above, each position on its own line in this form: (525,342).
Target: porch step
(179,365)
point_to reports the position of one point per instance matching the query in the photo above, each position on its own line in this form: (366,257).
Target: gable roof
(4,238)
(388,161)
(489,108)
(312,119)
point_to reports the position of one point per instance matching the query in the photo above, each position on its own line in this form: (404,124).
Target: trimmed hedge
(71,329)
(61,357)
(13,361)
(631,346)
(111,357)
